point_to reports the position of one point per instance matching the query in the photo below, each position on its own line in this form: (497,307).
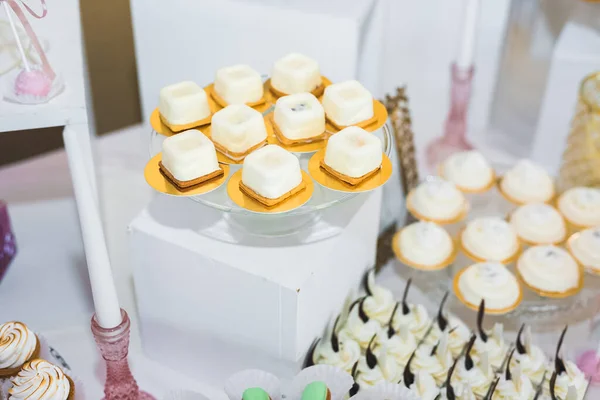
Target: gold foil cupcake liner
(508,260)
(458,218)
(569,247)
(380,116)
(437,267)
(549,294)
(465,190)
(516,202)
(475,307)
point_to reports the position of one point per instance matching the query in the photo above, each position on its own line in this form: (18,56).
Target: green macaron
(315,391)
(255,394)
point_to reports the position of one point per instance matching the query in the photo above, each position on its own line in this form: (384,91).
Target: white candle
(466,48)
(104,292)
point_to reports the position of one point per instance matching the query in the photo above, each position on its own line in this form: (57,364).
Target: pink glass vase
(114,347)
(455,130)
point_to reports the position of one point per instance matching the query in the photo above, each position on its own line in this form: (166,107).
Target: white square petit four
(189,158)
(238,129)
(271,175)
(239,84)
(353,154)
(295,73)
(183,103)
(348,103)
(299,117)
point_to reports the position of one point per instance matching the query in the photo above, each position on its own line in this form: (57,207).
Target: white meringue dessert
(550,271)
(469,171)
(585,247)
(437,200)
(490,239)
(189,158)
(352,155)
(238,129)
(299,118)
(527,182)
(538,223)
(295,73)
(425,245)
(239,84)
(581,206)
(348,103)
(271,174)
(183,103)
(490,281)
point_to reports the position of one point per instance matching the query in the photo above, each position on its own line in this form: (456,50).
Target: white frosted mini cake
(271,175)
(353,155)
(527,182)
(348,103)
(183,105)
(538,223)
(237,130)
(299,118)
(296,73)
(238,84)
(469,171)
(189,159)
(581,206)
(490,239)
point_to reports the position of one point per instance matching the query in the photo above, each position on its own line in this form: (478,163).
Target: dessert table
(50,264)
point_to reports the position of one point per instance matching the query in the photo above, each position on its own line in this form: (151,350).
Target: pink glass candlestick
(114,346)
(8,246)
(454,138)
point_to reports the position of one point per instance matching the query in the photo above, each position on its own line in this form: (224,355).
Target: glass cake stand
(291,222)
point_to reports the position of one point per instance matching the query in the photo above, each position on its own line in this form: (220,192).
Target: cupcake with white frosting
(585,248)
(489,344)
(513,384)
(568,381)
(413,316)
(436,360)
(331,350)
(437,200)
(469,171)
(489,281)
(530,359)
(359,326)
(581,207)
(379,303)
(478,376)
(18,345)
(41,380)
(462,391)
(424,386)
(538,223)
(375,368)
(527,182)
(490,239)
(398,344)
(550,271)
(458,333)
(424,245)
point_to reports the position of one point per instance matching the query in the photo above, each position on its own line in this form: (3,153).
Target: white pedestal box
(255,303)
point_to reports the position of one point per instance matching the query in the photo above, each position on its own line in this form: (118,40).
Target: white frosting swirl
(17,344)
(581,206)
(461,392)
(495,348)
(539,223)
(520,389)
(549,268)
(572,377)
(586,248)
(425,244)
(425,386)
(436,365)
(437,200)
(399,347)
(417,320)
(490,239)
(532,364)
(458,335)
(476,378)
(468,170)
(40,380)
(386,370)
(528,182)
(490,281)
(380,304)
(359,331)
(347,355)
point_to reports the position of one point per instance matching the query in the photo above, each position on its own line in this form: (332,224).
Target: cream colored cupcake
(581,207)
(18,345)
(550,271)
(538,223)
(437,200)
(424,245)
(469,171)
(489,281)
(585,248)
(490,239)
(527,182)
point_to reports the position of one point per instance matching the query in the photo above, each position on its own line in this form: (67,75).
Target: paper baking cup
(457,218)
(569,247)
(400,256)
(295,201)
(379,112)
(251,378)
(185,395)
(514,201)
(337,381)
(262,105)
(378,179)
(386,391)
(57,88)
(465,190)
(475,307)
(476,258)
(553,295)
